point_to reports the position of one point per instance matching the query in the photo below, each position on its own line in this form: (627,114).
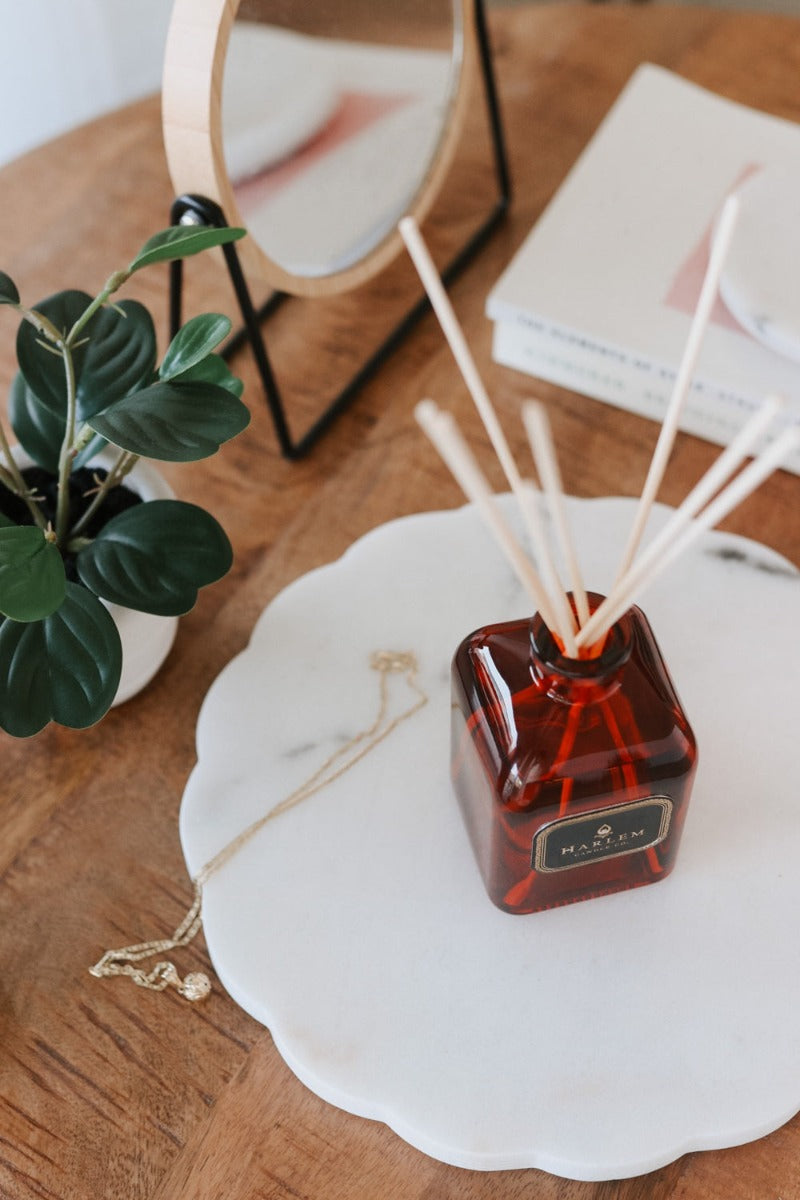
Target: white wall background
(63,62)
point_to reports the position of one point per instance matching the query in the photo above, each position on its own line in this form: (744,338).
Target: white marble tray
(595,1041)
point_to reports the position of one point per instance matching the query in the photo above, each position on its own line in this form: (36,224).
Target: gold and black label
(606,833)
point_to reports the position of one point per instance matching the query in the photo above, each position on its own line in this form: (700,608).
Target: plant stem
(120,469)
(67,453)
(68,450)
(17,484)
(40,323)
(114,282)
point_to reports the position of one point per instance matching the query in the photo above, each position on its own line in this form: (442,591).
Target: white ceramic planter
(146,638)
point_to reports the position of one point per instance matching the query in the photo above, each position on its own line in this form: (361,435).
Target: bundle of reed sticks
(725,484)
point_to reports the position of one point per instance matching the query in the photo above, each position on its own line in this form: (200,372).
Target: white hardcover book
(599,298)
(628,381)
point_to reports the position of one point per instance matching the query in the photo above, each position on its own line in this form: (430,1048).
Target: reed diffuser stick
(566,623)
(440,302)
(738,490)
(669,428)
(445,435)
(537,427)
(715,477)
(457,342)
(703,508)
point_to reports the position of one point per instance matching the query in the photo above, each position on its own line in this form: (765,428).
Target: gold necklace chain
(196,985)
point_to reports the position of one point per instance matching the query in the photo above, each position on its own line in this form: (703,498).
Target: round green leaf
(173,422)
(116,354)
(155,556)
(65,668)
(120,356)
(32,580)
(181,241)
(193,342)
(38,428)
(213,369)
(8,290)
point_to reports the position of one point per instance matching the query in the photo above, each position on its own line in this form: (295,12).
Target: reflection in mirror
(332,115)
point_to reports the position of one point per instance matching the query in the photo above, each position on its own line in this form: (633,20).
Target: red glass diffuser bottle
(573,775)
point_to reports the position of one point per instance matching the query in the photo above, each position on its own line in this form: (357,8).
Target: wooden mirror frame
(194,64)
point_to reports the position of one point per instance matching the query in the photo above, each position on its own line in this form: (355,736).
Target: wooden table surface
(108,1091)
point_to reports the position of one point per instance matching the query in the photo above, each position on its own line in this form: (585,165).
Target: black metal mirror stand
(198,210)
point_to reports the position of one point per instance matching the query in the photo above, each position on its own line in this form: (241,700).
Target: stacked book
(600,296)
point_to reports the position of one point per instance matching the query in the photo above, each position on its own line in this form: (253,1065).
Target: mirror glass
(332,115)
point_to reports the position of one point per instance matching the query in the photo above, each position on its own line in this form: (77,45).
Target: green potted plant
(74,537)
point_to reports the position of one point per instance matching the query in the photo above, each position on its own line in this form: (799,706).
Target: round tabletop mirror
(315,124)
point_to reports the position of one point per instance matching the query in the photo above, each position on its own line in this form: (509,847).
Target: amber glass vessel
(573,775)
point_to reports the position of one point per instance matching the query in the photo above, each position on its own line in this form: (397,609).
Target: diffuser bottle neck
(580,680)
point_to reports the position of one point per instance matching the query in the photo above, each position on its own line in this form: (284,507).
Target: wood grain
(109,1092)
